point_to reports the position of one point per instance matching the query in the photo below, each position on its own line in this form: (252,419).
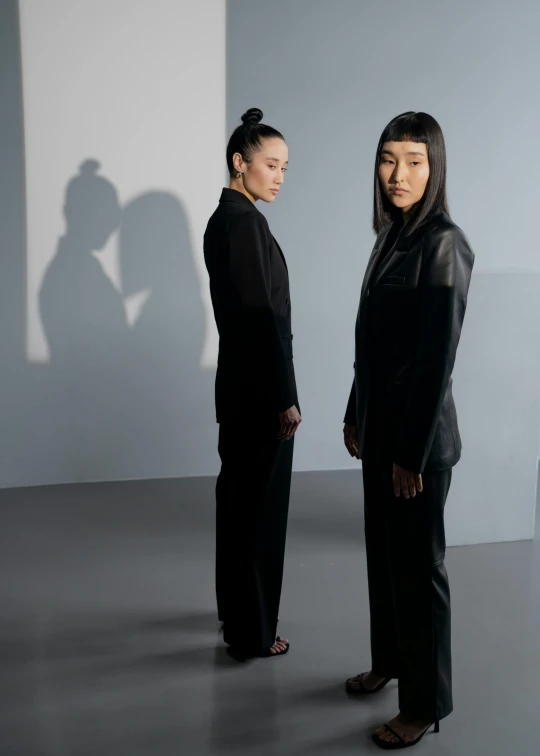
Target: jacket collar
(400,249)
(232,195)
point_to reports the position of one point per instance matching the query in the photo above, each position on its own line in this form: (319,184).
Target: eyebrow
(388,152)
(277,160)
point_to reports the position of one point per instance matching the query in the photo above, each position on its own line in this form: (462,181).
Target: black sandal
(362,690)
(389,745)
(243,654)
(268,652)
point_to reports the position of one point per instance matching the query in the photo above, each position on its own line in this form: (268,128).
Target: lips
(398,191)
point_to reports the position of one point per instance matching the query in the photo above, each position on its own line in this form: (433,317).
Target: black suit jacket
(407,331)
(249,284)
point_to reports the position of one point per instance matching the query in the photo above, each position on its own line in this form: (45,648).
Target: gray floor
(110,644)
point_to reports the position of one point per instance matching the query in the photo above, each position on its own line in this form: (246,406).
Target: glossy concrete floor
(110,643)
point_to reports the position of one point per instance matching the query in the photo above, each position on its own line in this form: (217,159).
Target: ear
(238,162)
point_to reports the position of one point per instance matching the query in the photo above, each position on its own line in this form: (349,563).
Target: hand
(406,482)
(288,423)
(350,438)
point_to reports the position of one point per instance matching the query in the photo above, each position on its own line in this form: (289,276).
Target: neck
(238,186)
(408,214)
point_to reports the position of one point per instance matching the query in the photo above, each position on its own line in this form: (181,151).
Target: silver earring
(239,174)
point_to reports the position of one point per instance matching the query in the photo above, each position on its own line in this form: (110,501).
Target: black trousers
(408,590)
(252,505)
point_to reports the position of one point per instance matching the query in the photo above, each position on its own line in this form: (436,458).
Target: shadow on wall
(172,396)
(126,399)
(122,397)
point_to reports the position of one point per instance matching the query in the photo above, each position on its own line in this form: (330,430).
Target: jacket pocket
(392,281)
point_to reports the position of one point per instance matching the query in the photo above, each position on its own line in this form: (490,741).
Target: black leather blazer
(249,285)
(408,327)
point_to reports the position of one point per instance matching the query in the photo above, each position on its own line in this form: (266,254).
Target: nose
(280,178)
(399,174)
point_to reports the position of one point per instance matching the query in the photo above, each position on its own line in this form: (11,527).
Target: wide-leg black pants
(408,590)
(252,504)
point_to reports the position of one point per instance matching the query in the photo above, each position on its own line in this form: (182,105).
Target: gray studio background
(330,76)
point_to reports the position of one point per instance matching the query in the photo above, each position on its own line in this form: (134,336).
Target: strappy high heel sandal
(241,654)
(356,686)
(389,745)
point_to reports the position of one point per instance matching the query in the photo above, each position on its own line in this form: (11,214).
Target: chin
(399,202)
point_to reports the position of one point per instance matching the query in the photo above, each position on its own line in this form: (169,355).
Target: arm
(444,283)
(350,430)
(350,412)
(249,264)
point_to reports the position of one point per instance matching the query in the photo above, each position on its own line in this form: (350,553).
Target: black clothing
(249,284)
(409,322)
(255,381)
(407,331)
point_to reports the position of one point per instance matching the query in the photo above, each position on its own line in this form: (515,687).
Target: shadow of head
(91,209)
(154,245)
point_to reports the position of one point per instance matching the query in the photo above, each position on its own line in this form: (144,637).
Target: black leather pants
(408,590)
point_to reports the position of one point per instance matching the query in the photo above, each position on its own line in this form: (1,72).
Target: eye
(284,169)
(417,162)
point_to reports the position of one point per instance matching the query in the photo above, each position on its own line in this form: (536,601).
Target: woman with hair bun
(256,399)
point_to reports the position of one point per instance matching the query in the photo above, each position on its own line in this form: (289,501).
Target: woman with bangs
(401,422)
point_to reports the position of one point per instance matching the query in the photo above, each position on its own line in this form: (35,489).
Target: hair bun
(89,167)
(252,117)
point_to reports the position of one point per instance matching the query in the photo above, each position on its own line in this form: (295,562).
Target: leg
(272,532)
(383,628)
(422,598)
(251,518)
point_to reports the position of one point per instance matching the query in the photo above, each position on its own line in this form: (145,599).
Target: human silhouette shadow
(174,396)
(87,332)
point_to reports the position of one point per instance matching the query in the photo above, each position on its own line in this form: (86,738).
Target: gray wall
(330,76)
(113,397)
(12,239)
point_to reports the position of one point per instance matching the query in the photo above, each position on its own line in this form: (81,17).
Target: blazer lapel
(393,258)
(281,253)
(373,261)
(397,254)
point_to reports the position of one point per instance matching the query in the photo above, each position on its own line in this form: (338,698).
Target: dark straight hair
(248,137)
(413,127)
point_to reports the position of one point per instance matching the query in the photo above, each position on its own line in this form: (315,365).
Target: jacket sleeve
(249,264)
(350,412)
(444,282)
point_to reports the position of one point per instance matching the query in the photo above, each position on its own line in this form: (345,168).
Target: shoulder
(247,217)
(446,253)
(249,224)
(444,241)
(442,230)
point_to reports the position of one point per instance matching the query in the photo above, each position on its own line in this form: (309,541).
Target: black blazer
(408,327)
(249,284)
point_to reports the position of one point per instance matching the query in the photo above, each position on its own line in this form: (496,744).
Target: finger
(412,486)
(290,432)
(419,484)
(284,430)
(397,484)
(405,486)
